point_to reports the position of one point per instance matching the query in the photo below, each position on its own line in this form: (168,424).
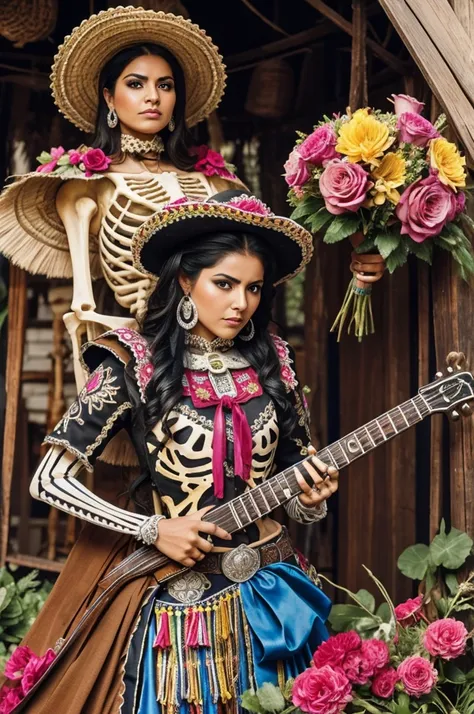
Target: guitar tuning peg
(438,375)
(454,416)
(466,410)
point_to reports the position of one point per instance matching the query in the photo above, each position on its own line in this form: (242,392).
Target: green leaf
(451,549)
(44,158)
(423,251)
(452,583)
(270,697)
(316,222)
(367,706)
(342,227)
(366,625)
(366,246)
(384,612)
(343,617)
(397,258)
(366,599)
(453,674)
(308,206)
(414,561)
(387,243)
(251,703)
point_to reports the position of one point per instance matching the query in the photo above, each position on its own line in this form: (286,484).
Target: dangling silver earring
(186,313)
(112,118)
(250,334)
(172,124)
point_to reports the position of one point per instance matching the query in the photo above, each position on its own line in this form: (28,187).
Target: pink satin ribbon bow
(242,442)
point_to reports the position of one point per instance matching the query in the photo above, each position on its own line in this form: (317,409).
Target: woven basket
(271,89)
(23,21)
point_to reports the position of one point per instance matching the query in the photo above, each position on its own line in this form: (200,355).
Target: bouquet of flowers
(391,184)
(416,658)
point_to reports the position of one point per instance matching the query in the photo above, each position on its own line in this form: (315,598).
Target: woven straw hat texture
(80,59)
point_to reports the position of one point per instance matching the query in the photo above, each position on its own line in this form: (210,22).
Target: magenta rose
(75,157)
(95,161)
(445,638)
(356,668)
(321,691)
(15,666)
(425,207)
(415,129)
(404,103)
(10,697)
(344,186)
(210,162)
(296,171)
(409,612)
(319,147)
(375,654)
(383,684)
(334,651)
(418,675)
(35,669)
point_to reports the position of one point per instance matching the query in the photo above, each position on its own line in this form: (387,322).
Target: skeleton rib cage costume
(181,473)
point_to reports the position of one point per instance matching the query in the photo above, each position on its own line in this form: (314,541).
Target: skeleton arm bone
(56,483)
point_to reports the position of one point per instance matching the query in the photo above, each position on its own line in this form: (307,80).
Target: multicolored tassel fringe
(203,648)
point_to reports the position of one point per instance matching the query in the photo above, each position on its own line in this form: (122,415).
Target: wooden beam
(435,69)
(358,92)
(301,39)
(390,59)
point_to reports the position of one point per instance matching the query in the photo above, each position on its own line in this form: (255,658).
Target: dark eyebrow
(234,280)
(144,77)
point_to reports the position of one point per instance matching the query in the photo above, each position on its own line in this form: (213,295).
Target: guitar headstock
(451,392)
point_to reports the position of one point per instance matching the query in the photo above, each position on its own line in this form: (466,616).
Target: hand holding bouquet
(391,184)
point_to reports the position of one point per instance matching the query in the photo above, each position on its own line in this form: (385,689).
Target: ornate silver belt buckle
(240,564)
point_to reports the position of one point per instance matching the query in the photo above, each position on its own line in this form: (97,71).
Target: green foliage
(387,242)
(20,602)
(342,227)
(452,549)
(414,561)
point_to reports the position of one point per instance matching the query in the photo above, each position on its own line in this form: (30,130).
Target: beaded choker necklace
(200,343)
(133,146)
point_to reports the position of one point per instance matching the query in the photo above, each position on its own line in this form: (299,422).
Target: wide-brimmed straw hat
(80,59)
(228,211)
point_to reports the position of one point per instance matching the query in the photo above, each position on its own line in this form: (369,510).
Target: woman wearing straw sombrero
(183,594)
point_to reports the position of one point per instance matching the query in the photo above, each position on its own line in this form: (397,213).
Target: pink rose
(344,186)
(405,103)
(409,612)
(56,154)
(460,203)
(319,147)
(415,129)
(210,163)
(75,157)
(296,171)
(384,682)
(35,669)
(335,650)
(10,697)
(445,638)
(355,668)
(425,207)
(16,664)
(95,161)
(375,654)
(417,675)
(321,691)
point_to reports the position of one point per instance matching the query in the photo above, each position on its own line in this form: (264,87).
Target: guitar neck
(279,489)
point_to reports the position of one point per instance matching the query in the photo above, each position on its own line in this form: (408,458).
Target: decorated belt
(241,563)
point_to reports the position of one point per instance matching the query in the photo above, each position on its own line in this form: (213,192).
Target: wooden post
(16,335)
(358,93)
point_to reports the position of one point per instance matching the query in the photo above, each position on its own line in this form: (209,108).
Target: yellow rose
(388,175)
(364,139)
(445,157)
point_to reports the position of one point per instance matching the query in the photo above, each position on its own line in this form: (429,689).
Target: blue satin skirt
(199,658)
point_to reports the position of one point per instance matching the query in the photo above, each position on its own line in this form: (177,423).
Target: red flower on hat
(210,162)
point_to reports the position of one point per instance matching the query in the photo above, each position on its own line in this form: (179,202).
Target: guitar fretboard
(277,490)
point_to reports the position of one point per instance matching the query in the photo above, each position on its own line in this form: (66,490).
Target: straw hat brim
(162,234)
(80,59)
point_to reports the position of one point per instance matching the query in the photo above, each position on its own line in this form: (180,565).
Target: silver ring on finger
(316,489)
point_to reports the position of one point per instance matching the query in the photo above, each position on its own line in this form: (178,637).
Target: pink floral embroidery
(141,352)
(287,373)
(198,386)
(210,163)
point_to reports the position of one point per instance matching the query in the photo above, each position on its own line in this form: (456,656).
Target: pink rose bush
(390,177)
(344,186)
(446,638)
(75,163)
(321,691)
(417,675)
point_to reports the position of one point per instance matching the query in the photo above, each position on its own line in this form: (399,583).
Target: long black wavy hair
(178,142)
